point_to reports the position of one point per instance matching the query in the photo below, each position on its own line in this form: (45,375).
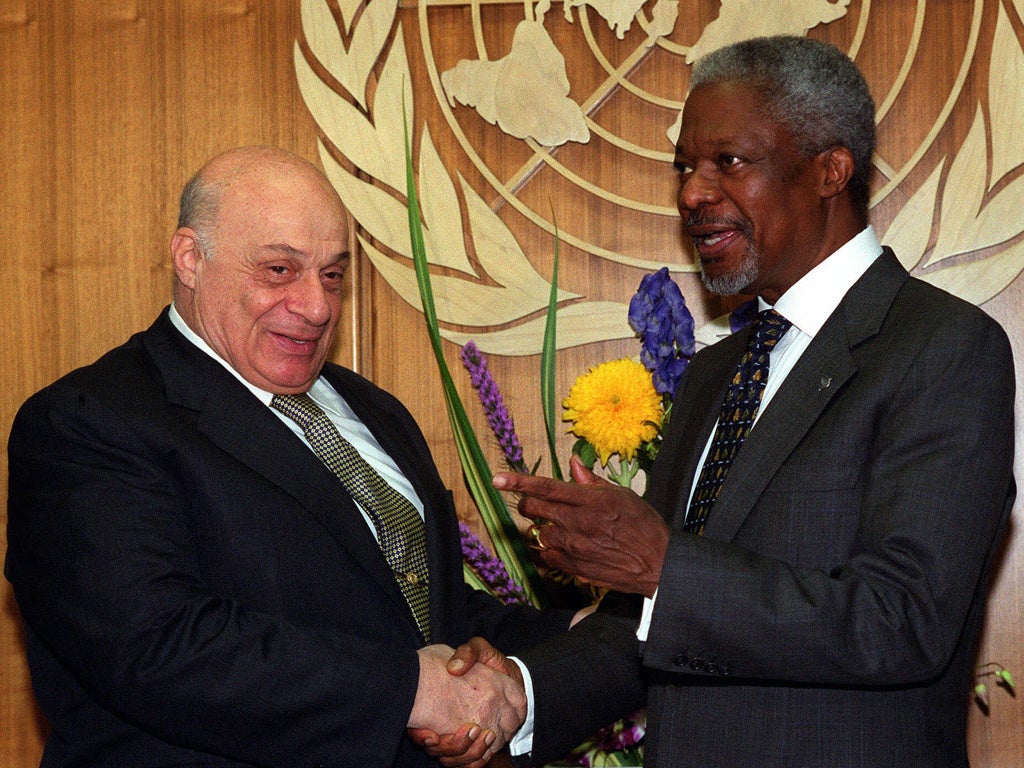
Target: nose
(697,188)
(310,299)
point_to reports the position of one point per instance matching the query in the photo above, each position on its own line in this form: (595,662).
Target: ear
(186,255)
(837,169)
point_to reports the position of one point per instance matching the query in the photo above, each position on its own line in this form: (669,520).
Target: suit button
(681,660)
(697,664)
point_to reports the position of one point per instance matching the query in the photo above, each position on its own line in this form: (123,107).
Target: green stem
(508,543)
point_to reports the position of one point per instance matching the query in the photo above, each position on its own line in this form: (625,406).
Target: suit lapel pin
(825,383)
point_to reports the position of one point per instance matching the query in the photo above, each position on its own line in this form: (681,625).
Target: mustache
(725,222)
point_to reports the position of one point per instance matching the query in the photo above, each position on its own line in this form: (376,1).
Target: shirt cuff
(645,618)
(522,742)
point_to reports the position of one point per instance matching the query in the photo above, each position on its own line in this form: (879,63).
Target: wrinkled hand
(478,708)
(593,529)
(470,746)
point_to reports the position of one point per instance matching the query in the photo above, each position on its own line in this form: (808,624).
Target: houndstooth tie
(737,415)
(400,528)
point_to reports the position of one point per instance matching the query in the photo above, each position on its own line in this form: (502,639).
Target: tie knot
(299,408)
(769,328)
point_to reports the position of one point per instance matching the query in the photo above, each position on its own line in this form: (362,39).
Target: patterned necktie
(400,528)
(736,417)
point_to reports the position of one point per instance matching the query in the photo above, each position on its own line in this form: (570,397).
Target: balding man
(204,578)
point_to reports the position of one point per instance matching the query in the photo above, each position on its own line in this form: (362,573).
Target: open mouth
(712,237)
(295,342)
(713,244)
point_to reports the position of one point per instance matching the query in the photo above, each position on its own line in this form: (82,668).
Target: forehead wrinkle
(283,248)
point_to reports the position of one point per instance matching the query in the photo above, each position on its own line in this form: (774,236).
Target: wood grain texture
(110,105)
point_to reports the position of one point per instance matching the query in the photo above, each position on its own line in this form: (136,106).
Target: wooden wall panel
(109,105)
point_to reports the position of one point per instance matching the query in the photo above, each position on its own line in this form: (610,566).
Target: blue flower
(660,317)
(743,315)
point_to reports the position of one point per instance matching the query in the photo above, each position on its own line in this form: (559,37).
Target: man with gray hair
(813,556)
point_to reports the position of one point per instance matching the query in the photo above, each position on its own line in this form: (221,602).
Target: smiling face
(268,298)
(755,206)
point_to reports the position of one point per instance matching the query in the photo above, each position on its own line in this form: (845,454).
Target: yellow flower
(615,408)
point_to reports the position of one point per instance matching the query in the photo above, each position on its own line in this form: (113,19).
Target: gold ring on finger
(534,533)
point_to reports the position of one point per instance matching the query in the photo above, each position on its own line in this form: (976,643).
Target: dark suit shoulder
(123,375)
(923,313)
(932,301)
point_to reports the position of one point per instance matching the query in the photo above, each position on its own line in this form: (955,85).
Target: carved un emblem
(547,107)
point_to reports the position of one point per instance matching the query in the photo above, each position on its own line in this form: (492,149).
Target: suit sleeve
(583,681)
(104,565)
(861,560)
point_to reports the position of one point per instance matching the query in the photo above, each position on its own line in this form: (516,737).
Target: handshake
(469,703)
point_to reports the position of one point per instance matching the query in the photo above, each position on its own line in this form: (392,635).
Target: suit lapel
(230,416)
(788,417)
(417,465)
(417,468)
(816,379)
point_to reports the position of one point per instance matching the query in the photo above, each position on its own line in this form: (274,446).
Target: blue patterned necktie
(737,415)
(400,528)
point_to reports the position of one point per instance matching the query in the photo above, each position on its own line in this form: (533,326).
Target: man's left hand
(601,532)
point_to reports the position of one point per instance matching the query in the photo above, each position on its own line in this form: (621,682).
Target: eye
(332,278)
(278,273)
(682,167)
(729,161)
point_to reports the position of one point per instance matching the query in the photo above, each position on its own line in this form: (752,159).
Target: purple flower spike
(498,417)
(490,569)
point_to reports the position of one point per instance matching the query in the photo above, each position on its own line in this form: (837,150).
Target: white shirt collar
(178,322)
(815,296)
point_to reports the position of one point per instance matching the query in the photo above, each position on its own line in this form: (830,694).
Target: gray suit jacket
(830,613)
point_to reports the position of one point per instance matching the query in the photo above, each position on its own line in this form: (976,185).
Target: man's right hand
(470,746)
(479,651)
(448,702)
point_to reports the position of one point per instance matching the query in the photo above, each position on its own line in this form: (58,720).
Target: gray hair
(810,88)
(197,210)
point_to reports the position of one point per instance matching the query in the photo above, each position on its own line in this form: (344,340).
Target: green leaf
(508,543)
(547,366)
(472,578)
(586,452)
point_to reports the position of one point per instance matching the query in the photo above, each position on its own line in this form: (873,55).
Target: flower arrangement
(617,410)
(620,408)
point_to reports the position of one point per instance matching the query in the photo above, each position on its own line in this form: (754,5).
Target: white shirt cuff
(522,742)
(645,618)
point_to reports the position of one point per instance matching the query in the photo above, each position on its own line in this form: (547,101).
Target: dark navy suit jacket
(197,587)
